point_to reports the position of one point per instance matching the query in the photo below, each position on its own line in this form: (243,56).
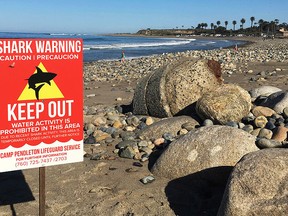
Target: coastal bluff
(165,32)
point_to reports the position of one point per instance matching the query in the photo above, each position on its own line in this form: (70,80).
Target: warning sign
(41,102)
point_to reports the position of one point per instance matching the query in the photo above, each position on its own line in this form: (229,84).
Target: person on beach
(122,57)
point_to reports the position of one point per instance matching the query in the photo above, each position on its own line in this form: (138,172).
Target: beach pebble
(260,121)
(280,134)
(117,124)
(127,152)
(147,179)
(268,143)
(183,131)
(207,122)
(232,124)
(248,128)
(159,141)
(262,111)
(270,125)
(285,112)
(90,95)
(99,120)
(265,133)
(256,132)
(149,120)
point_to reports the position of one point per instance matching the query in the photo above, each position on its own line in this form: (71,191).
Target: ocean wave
(136,45)
(66,34)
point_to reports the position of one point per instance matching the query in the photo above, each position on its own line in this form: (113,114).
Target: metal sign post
(42,195)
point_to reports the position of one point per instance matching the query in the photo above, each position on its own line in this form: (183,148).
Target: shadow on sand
(199,193)
(14,189)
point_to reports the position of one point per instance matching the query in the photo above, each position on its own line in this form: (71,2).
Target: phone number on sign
(41,161)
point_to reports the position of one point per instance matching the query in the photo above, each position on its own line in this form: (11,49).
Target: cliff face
(161,32)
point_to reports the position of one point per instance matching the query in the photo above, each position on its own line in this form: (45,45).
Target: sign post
(42,193)
(41,105)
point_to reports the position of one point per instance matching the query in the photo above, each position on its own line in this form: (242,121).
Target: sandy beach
(110,185)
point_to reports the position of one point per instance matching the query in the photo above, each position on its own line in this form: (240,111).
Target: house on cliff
(283,33)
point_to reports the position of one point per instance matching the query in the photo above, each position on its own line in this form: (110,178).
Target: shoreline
(247,41)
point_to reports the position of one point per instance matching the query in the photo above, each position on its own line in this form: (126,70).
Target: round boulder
(258,185)
(204,148)
(263,91)
(168,125)
(224,104)
(277,101)
(173,88)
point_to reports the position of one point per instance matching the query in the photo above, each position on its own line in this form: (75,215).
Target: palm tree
(226,23)
(205,25)
(252,19)
(212,25)
(276,23)
(234,23)
(242,21)
(218,23)
(260,22)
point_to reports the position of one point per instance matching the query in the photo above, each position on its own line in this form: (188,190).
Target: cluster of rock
(262,51)
(231,123)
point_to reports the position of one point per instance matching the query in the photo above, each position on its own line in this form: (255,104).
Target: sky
(129,16)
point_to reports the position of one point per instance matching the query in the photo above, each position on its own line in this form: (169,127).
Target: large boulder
(258,185)
(226,103)
(263,91)
(277,101)
(173,88)
(203,148)
(168,125)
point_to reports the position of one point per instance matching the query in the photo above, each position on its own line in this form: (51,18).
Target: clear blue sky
(121,16)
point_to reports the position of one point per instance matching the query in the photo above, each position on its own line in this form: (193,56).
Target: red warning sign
(41,102)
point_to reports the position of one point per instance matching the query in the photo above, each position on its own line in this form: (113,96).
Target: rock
(263,91)
(262,111)
(226,103)
(172,89)
(277,101)
(265,133)
(117,124)
(100,135)
(171,125)
(149,120)
(99,120)
(124,144)
(280,134)
(147,179)
(204,148)
(268,143)
(285,112)
(90,139)
(256,132)
(258,185)
(260,121)
(248,128)
(207,122)
(127,152)
(139,99)
(159,141)
(270,125)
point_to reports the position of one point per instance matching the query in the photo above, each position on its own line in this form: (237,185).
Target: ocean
(106,47)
